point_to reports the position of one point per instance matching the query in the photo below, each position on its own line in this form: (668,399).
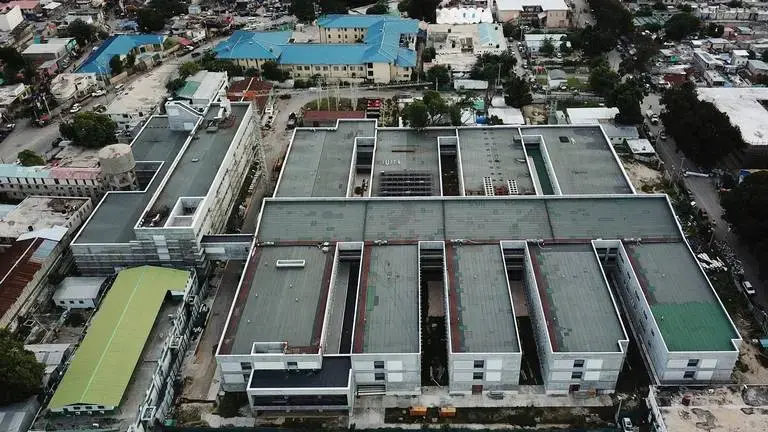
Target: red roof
(310,116)
(17,268)
(250,89)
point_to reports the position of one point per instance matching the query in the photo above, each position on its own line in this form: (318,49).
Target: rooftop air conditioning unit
(290,263)
(148,413)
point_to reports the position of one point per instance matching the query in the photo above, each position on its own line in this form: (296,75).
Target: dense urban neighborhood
(382,215)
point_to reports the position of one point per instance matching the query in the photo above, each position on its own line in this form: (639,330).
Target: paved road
(581,14)
(706,196)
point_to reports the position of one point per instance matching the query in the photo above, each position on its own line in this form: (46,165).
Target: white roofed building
(548,13)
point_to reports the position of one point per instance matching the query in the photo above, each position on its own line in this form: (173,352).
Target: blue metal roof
(98,61)
(381,44)
(253,45)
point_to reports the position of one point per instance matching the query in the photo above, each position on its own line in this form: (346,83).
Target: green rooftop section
(189,89)
(103,364)
(682,302)
(694,326)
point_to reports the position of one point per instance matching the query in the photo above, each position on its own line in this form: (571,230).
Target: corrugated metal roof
(98,61)
(17,269)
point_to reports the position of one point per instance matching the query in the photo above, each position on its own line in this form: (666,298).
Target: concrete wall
(22,187)
(497,372)
(401,372)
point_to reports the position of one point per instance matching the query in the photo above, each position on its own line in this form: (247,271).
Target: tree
(116,65)
(175,85)
(660,6)
(494,120)
(627,97)
(700,130)
(188,69)
(271,70)
(380,8)
(511,30)
(436,106)
(403,6)
(416,114)
(429,54)
(81,31)
(303,9)
(489,67)
(425,10)
(565,48)
(602,79)
(89,129)
(517,92)
(681,25)
(12,57)
(30,158)
(439,74)
(547,47)
(168,8)
(149,20)
(332,7)
(20,372)
(685,7)
(130,60)
(714,30)
(454,112)
(746,207)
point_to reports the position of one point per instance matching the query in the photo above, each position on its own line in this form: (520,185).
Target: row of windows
(64,302)
(85,408)
(325,68)
(17,180)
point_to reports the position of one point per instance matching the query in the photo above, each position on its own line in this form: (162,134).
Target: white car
(748,288)
(98,93)
(75,108)
(626,425)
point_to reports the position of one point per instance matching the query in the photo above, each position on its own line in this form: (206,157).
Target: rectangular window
(317,68)
(246,366)
(306,67)
(689,374)
(477,375)
(479,364)
(578,363)
(379,376)
(693,362)
(81,302)
(645,314)
(335,68)
(576,375)
(378,364)
(71,302)
(370,73)
(343,68)
(293,365)
(360,68)
(325,68)
(101,406)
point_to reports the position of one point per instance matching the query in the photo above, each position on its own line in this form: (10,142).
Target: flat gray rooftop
(118,212)
(281,303)
(389,301)
(492,152)
(582,160)
(406,152)
(480,218)
(682,302)
(480,296)
(577,301)
(319,160)
(194,173)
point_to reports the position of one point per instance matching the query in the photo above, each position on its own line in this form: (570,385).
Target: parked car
(99,92)
(8,127)
(119,87)
(195,54)
(99,108)
(75,108)
(748,288)
(626,425)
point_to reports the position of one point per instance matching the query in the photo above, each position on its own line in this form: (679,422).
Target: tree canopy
(188,69)
(82,32)
(602,79)
(30,158)
(89,129)
(612,21)
(380,8)
(681,25)
(149,20)
(439,74)
(746,207)
(627,97)
(20,372)
(271,70)
(425,10)
(416,115)
(489,67)
(303,9)
(116,65)
(517,92)
(332,7)
(429,54)
(547,47)
(702,132)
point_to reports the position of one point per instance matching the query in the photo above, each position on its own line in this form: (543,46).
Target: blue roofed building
(376,48)
(121,45)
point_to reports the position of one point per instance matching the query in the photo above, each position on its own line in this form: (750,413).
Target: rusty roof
(18,265)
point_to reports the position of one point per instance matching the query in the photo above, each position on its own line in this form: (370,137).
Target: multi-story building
(51,50)
(548,13)
(121,46)
(460,257)
(10,17)
(189,165)
(373,48)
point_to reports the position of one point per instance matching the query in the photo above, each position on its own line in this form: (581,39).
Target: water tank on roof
(119,166)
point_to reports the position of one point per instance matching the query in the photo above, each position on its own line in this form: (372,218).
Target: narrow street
(705,194)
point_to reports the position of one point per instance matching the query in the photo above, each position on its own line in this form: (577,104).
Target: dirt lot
(641,175)
(752,368)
